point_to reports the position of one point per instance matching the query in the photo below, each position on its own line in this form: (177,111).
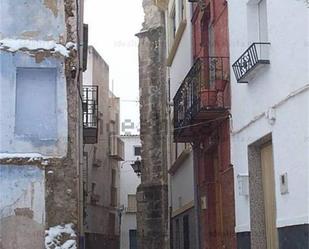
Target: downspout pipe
(197,207)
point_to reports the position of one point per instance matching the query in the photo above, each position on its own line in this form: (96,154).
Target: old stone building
(103,150)
(152,194)
(40,125)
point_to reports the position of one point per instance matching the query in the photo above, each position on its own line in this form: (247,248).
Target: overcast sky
(112,28)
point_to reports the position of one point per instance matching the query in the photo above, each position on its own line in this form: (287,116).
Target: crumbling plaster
(39,21)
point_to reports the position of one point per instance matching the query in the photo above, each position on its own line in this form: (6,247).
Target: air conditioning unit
(116,148)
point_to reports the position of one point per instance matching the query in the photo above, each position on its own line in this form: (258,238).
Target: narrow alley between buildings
(154,124)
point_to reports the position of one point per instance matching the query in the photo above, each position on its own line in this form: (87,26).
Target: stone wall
(152,194)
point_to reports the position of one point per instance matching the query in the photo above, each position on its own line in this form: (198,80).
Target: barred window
(132,207)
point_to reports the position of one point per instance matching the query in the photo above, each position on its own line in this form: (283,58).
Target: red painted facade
(207,125)
(215,173)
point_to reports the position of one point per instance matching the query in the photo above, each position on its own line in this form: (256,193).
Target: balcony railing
(90,114)
(201,96)
(250,61)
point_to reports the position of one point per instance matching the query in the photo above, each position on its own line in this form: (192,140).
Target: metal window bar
(256,54)
(204,75)
(90,106)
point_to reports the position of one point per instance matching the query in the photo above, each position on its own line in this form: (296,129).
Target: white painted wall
(182,191)
(183,58)
(286,75)
(128,184)
(181,183)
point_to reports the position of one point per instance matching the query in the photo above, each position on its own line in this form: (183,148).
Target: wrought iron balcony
(202,96)
(251,61)
(90,114)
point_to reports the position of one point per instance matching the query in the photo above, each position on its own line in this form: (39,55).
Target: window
(257,21)
(172,27)
(186,232)
(101,127)
(114,178)
(36,103)
(137,150)
(114,197)
(182,10)
(93,185)
(95,153)
(111,223)
(132,205)
(262,11)
(85,170)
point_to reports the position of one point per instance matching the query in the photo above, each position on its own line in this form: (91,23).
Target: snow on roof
(30,156)
(36,45)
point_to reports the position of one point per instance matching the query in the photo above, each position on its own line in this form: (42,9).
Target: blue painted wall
(11,141)
(46,22)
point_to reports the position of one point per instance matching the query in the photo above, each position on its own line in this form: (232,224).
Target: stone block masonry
(152,194)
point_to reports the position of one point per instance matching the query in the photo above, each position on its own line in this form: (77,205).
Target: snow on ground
(36,45)
(60,237)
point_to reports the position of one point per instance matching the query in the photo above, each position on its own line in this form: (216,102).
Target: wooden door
(268,181)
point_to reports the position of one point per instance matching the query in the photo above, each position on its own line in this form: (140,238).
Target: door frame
(257,205)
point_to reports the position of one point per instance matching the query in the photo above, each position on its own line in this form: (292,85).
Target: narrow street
(154,124)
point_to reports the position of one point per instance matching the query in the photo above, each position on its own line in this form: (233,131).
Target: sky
(112,28)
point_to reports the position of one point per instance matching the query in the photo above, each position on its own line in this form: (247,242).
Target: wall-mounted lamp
(136,166)
(73,72)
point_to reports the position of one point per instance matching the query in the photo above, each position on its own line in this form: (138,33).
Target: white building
(270,122)
(128,184)
(178,14)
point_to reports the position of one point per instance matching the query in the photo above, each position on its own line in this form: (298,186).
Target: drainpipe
(197,207)
(169,158)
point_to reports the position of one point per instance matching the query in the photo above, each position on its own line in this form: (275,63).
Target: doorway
(262,195)
(133,239)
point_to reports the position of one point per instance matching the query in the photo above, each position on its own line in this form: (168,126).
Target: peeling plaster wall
(10,142)
(46,22)
(46,15)
(22,207)
(40,21)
